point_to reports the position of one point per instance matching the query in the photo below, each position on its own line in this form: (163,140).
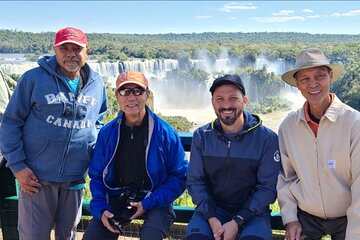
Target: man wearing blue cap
(234,164)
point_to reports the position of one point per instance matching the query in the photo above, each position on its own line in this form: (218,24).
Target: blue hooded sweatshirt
(48,128)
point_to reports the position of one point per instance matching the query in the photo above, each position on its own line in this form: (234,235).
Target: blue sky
(335,17)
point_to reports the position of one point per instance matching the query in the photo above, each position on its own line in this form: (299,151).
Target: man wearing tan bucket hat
(319,184)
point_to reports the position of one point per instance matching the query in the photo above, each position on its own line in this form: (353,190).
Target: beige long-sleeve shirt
(321,174)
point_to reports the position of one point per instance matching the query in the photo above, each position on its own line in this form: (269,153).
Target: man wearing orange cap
(47,134)
(319,184)
(138,169)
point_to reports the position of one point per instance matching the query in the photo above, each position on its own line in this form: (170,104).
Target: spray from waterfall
(178,92)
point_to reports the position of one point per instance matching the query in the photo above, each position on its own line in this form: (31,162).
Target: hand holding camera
(124,211)
(115,224)
(108,220)
(139,210)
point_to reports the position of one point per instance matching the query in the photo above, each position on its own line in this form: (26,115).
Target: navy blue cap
(228,79)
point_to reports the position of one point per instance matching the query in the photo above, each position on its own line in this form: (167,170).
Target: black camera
(115,224)
(121,205)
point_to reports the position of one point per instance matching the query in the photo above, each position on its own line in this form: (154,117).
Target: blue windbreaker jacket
(36,133)
(166,165)
(238,174)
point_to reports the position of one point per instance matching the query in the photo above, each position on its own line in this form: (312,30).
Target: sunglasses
(134,91)
(68,111)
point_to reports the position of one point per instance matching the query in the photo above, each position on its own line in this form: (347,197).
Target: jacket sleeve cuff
(246,214)
(17,166)
(209,209)
(147,204)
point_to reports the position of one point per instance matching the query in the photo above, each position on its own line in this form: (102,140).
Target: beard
(72,68)
(71,64)
(229,119)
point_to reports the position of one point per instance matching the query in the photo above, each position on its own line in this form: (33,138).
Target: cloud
(313,16)
(347,14)
(307,10)
(233,6)
(203,17)
(283,13)
(232,18)
(285,16)
(278,19)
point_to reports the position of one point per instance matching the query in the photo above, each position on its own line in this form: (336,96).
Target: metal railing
(9,201)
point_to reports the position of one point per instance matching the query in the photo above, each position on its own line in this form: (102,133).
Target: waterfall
(152,68)
(107,70)
(17,68)
(171,92)
(221,65)
(276,66)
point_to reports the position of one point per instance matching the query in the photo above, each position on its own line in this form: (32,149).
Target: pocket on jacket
(77,160)
(35,146)
(43,154)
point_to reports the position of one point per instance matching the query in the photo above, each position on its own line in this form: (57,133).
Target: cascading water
(174,95)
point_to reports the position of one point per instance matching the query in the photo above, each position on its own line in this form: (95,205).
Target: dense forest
(176,46)
(274,45)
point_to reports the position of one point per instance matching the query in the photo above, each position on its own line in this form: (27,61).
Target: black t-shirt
(130,156)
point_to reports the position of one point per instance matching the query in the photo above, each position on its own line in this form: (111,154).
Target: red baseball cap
(131,77)
(70,35)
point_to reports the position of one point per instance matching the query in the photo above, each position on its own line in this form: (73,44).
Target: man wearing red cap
(47,134)
(138,168)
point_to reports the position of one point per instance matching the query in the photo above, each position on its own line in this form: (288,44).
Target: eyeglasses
(134,91)
(81,111)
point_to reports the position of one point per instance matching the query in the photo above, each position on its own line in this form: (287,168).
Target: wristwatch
(239,220)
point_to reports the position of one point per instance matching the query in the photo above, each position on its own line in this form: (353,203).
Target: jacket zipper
(318,174)
(228,162)
(66,151)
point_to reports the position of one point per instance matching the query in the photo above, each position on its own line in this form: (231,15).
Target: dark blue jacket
(166,165)
(36,133)
(237,174)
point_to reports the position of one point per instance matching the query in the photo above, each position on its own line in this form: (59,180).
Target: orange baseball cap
(131,77)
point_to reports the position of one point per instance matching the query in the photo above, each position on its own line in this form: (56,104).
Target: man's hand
(230,230)
(216,228)
(105,221)
(29,183)
(293,230)
(139,211)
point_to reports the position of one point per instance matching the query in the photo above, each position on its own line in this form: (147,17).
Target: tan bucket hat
(309,58)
